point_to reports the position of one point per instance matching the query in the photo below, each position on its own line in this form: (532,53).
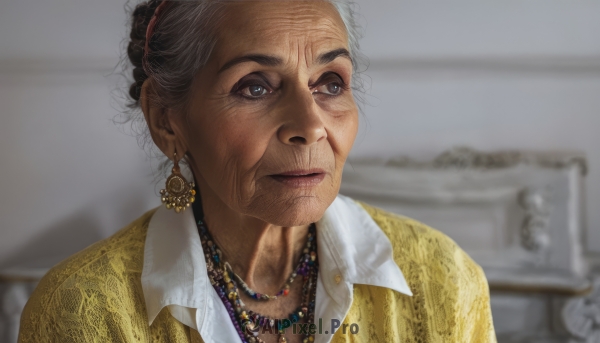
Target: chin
(295,211)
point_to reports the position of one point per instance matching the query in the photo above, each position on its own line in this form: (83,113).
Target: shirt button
(338,278)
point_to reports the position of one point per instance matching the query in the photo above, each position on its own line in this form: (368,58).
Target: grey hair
(181,45)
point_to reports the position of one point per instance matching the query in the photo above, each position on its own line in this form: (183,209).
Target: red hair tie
(150,30)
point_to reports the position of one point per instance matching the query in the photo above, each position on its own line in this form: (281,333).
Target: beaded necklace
(301,268)
(248,323)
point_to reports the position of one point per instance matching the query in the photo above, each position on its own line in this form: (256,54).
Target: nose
(302,122)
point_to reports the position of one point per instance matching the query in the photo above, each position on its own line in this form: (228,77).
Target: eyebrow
(332,55)
(265,60)
(272,61)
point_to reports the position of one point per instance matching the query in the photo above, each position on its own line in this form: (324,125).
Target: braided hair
(135,50)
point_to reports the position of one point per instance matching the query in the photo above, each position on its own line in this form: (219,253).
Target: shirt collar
(174,271)
(359,248)
(351,248)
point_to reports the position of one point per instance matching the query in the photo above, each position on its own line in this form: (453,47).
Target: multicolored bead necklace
(307,255)
(248,323)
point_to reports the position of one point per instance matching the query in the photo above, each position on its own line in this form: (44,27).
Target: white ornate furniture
(519,215)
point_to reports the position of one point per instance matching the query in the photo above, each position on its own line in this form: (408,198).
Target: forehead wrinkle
(299,26)
(288,29)
(296,46)
(302,12)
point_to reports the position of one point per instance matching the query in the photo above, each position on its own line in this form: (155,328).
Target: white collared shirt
(352,249)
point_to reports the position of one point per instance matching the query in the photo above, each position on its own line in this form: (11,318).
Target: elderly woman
(256,98)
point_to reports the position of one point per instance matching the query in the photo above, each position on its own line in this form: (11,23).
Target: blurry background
(502,75)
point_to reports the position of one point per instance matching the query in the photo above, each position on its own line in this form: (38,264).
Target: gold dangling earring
(178,193)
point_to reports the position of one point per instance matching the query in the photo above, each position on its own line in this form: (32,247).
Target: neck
(263,254)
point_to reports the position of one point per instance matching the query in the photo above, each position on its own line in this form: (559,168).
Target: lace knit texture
(96,295)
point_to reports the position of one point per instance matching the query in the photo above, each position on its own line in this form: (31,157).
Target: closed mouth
(300,178)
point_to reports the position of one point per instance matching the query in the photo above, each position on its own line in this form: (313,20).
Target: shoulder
(127,243)
(449,289)
(424,253)
(90,275)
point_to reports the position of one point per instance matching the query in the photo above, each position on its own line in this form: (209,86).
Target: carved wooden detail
(468,158)
(581,316)
(534,233)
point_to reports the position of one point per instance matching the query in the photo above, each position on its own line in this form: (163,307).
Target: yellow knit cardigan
(96,295)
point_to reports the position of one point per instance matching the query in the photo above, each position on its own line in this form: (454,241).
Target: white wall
(491,75)
(69,175)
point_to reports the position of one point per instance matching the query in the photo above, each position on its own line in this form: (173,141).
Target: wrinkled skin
(258,118)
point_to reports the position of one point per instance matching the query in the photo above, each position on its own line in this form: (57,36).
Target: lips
(300,178)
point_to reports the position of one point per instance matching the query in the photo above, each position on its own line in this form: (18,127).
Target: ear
(159,122)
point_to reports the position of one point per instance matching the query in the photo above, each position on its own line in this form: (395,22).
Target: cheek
(342,133)
(230,146)
(341,122)
(241,139)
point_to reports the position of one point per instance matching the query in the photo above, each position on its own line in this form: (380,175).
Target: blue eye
(331,88)
(256,90)
(334,88)
(254,86)
(330,84)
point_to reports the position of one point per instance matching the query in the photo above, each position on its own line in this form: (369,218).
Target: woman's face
(272,117)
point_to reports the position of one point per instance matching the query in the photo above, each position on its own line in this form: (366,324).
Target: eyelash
(243,84)
(335,78)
